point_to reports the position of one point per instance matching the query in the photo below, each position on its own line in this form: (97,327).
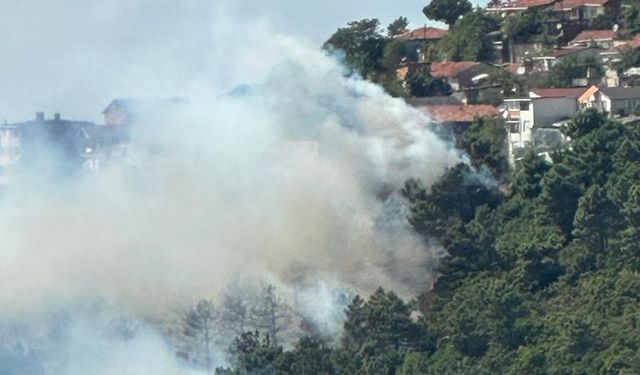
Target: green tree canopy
(421,84)
(567,70)
(362,44)
(398,27)
(447,11)
(469,38)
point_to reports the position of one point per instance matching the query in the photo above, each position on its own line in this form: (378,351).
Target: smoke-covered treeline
(307,223)
(292,179)
(540,278)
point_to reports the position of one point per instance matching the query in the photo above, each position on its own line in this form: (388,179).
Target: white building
(616,101)
(544,109)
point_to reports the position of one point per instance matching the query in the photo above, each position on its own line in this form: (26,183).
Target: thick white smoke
(293,178)
(294,171)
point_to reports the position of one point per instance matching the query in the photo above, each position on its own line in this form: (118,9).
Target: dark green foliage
(603,21)
(563,73)
(629,58)
(255,355)
(414,363)
(527,178)
(534,25)
(469,39)
(362,44)
(485,143)
(501,84)
(561,190)
(585,122)
(592,155)
(447,11)
(381,324)
(541,276)
(421,84)
(398,27)
(596,221)
(631,16)
(451,200)
(365,51)
(310,357)
(485,311)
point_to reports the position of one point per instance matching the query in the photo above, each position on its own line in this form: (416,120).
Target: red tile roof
(426,32)
(561,52)
(460,112)
(595,35)
(521,4)
(570,4)
(633,43)
(584,98)
(450,68)
(560,92)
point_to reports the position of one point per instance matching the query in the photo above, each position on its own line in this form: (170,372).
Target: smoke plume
(292,177)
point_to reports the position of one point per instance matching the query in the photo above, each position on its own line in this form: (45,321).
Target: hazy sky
(73,56)
(318,19)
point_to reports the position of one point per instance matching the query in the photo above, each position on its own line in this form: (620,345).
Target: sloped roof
(633,43)
(562,52)
(521,4)
(423,33)
(594,35)
(451,68)
(618,93)
(432,100)
(560,92)
(138,104)
(587,94)
(460,112)
(570,4)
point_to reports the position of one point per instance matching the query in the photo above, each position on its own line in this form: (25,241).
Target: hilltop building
(47,147)
(418,40)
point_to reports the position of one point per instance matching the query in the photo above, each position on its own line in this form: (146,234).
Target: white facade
(524,116)
(612,106)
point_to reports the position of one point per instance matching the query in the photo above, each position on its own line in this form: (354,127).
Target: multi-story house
(533,120)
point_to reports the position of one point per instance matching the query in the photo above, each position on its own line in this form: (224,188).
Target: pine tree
(272,315)
(560,193)
(236,304)
(630,237)
(380,324)
(355,325)
(451,200)
(597,220)
(199,332)
(528,175)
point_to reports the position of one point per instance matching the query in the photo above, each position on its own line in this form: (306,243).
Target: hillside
(541,277)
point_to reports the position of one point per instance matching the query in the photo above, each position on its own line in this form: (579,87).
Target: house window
(524,106)
(574,13)
(514,127)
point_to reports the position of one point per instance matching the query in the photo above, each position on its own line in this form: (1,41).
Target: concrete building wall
(623,107)
(550,110)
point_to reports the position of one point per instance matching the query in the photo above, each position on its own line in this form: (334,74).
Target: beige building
(616,101)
